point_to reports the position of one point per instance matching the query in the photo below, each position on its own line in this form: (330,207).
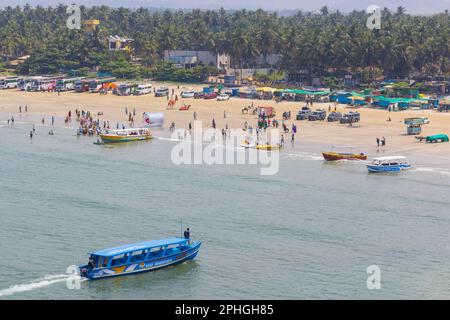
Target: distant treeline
(307,41)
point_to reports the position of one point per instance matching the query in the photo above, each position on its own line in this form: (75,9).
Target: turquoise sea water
(308,232)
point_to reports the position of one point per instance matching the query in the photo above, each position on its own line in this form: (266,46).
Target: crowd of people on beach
(87,125)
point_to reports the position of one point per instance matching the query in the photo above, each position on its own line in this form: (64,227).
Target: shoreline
(317,136)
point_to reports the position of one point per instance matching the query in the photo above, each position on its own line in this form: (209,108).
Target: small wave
(35,284)
(167,139)
(433,170)
(305,155)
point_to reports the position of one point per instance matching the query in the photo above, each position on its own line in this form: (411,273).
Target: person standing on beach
(31,134)
(224,114)
(383,141)
(53,120)
(126,110)
(26,108)
(195,115)
(378,142)
(20,109)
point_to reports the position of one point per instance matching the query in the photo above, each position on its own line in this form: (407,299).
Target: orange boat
(334,156)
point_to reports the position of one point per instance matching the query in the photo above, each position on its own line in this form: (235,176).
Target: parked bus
(9,83)
(67,84)
(125,89)
(25,83)
(143,88)
(45,83)
(83,85)
(102,83)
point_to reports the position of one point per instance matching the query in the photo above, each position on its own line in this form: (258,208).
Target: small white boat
(389,164)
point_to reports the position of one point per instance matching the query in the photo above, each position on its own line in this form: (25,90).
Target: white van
(188,94)
(144,88)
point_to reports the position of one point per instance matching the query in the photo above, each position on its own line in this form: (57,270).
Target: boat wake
(305,156)
(432,170)
(35,284)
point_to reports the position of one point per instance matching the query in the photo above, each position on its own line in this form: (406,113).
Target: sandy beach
(318,136)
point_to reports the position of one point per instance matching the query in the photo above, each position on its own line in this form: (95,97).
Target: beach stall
(414,125)
(344,97)
(208,90)
(444,105)
(265,93)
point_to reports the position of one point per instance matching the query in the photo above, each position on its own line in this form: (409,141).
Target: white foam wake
(35,284)
(305,155)
(433,170)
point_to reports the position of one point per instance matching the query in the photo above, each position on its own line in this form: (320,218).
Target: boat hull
(380,169)
(267,147)
(109,138)
(144,266)
(334,156)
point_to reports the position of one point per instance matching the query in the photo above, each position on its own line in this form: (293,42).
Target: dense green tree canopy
(306,41)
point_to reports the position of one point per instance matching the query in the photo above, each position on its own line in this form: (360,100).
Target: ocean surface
(309,232)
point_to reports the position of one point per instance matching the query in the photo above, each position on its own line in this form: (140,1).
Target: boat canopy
(138,246)
(391,158)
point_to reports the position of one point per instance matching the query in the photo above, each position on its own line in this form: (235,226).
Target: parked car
(162,92)
(223,97)
(210,95)
(352,116)
(318,115)
(199,95)
(303,114)
(188,94)
(334,116)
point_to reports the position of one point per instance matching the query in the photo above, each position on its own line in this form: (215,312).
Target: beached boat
(139,257)
(267,147)
(125,135)
(334,156)
(389,164)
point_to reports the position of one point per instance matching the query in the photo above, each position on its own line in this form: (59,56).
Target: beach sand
(311,136)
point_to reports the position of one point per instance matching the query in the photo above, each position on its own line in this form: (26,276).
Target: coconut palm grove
(323,43)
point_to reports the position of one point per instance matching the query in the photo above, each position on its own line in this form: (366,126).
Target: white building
(188,59)
(116,43)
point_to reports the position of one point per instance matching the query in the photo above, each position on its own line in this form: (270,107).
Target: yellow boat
(126,135)
(267,147)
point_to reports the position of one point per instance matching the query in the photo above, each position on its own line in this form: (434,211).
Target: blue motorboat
(139,257)
(389,164)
